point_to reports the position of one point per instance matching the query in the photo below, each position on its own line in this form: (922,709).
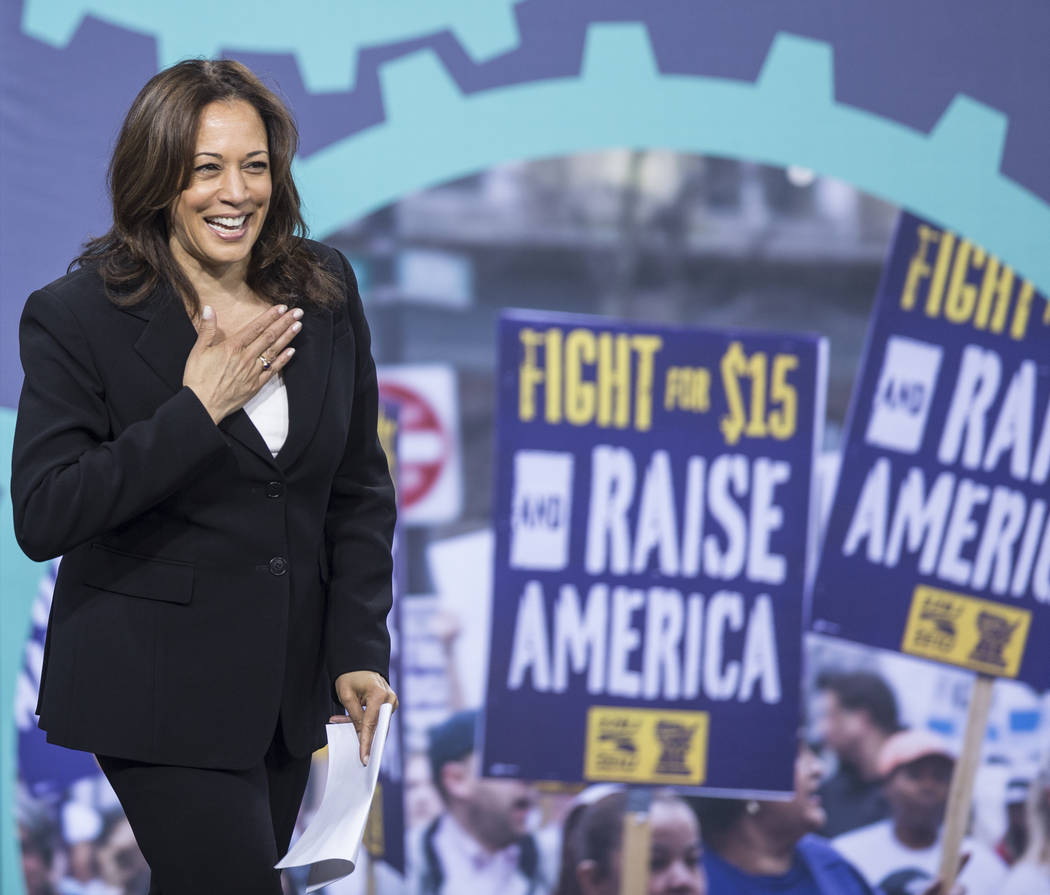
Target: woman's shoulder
(78,295)
(79,284)
(826,862)
(330,258)
(349,309)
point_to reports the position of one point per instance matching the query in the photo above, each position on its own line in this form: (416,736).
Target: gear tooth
(798,69)
(980,128)
(53,22)
(620,54)
(417,82)
(325,68)
(489,30)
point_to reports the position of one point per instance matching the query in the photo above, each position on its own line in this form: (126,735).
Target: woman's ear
(588,876)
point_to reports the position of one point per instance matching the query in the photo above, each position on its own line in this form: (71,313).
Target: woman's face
(674,852)
(804,813)
(674,856)
(216,220)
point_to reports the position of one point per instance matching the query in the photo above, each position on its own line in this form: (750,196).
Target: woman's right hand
(224,372)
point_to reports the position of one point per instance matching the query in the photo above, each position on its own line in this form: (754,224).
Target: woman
(760,847)
(595,848)
(1031,875)
(196,436)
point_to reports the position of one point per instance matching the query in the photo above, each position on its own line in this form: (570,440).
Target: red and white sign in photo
(429,475)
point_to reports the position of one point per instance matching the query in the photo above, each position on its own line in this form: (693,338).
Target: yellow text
(584,377)
(688,388)
(965,285)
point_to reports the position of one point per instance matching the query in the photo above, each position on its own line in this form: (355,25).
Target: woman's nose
(234,188)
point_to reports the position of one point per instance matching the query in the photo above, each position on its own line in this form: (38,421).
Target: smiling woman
(225,516)
(189,132)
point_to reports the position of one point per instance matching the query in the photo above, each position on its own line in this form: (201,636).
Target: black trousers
(203,830)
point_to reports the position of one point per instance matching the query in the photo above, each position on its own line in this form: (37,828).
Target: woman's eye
(258,166)
(206,168)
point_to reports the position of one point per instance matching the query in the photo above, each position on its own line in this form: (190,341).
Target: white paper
(330,844)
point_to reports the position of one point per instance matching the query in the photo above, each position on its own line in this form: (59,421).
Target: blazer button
(274,489)
(278,565)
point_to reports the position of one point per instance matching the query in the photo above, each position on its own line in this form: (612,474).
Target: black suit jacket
(206,588)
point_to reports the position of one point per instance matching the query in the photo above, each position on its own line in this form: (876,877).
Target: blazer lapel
(168,337)
(165,344)
(306,378)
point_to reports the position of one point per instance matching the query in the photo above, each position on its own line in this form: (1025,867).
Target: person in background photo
(768,847)
(592,859)
(859,714)
(82,828)
(481,842)
(902,853)
(36,840)
(1015,839)
(120,859)
(1031,874)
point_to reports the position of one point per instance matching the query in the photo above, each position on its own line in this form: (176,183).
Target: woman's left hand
(362,693)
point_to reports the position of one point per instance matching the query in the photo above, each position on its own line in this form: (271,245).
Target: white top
(1027,879)
(877,853)
(268,411)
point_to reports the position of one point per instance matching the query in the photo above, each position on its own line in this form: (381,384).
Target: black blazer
(206,588)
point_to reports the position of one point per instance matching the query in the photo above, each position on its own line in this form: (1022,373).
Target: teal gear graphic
(325,35)
(787,116)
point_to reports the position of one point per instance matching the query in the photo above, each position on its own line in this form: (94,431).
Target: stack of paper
(330,844)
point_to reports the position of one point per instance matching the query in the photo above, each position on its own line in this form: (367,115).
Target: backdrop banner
(653,532)
(939,540)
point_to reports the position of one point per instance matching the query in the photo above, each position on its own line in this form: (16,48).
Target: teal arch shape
(433,133)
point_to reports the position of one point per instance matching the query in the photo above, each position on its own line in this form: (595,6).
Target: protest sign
(938,544)
(653,530)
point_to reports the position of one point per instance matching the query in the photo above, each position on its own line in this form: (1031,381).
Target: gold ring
(265,362)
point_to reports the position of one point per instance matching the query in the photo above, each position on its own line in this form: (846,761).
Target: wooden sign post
(634,855)
(960,795)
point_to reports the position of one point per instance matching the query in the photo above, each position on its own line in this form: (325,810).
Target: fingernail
(297,313)
(296,327)
(291,351)
(206,314)
(282,308)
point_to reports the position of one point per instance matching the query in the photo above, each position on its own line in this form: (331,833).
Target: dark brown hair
(594,832)
(152,164)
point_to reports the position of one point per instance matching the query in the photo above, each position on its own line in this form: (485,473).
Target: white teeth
(229,223)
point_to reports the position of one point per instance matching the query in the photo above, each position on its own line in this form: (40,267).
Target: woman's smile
(228,227)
